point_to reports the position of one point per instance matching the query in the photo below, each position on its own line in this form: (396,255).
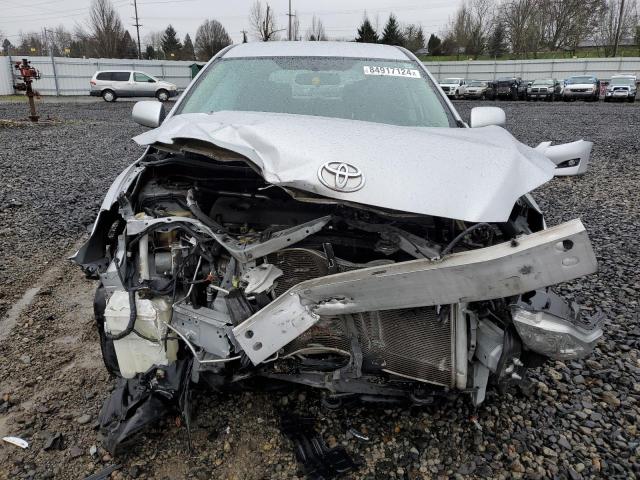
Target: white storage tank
(135,354)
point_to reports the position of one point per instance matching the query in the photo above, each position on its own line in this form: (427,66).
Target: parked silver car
(111,84)
(318,213)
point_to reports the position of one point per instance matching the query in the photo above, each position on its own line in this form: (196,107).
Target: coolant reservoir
(135,354)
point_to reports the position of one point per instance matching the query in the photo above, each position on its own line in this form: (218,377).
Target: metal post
(289,20)
(55,74)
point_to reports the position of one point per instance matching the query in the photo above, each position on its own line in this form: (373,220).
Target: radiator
(415,343)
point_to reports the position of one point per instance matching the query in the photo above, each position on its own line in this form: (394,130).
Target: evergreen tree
(150,53)
(128,48)
(188,52)
(392,35)
(434,45)
(7,48)
(171,46)
(366,32)
(497,41)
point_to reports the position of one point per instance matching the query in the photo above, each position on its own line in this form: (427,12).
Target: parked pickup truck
(545,89)
(453,87)
(511,88)
(622,87)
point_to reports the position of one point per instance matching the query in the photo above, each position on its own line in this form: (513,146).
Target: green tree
(188,52)
(366,32)
(434,45)
(392,35)
(150,53)
(171,46)
(7,48)
(128,48)
(496,46)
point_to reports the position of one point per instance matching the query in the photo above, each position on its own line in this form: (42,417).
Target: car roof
(120,70)
(316,49)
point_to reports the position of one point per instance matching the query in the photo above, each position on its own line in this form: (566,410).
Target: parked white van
(111,84)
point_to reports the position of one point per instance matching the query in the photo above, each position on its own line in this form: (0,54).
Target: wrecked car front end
(250,247)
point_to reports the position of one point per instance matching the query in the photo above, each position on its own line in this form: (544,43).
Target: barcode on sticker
(392,71)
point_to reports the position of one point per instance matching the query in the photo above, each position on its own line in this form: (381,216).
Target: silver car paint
(466,174)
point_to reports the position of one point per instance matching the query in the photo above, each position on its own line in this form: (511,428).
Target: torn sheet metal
(545,258)
(467,174)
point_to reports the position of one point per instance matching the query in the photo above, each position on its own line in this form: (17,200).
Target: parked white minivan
(111,84)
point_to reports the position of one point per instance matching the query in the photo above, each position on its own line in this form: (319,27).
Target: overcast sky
(340,17)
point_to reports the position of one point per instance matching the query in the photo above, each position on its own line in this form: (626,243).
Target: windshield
(623,81)
(478,84)
(576,80)
(381,91)
(543,82)
(451,80)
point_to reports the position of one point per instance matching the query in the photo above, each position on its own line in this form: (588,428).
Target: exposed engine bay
(210,274)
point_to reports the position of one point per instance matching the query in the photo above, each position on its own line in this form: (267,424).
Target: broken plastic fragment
(18,442)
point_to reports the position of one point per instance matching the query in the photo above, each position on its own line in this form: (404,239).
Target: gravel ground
(580,420)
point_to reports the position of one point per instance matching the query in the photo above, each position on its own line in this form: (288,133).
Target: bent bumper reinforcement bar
(534,261)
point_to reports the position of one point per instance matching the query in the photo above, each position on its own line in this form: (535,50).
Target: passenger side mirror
(484,116)
(149,113)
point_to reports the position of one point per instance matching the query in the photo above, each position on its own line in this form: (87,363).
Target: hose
(200,215)
(133,315)
(456,240)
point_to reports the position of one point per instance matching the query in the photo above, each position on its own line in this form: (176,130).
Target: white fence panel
(603,68)
(6,76)
(73,74)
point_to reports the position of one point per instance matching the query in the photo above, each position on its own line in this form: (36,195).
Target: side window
(141,77)
(104,76)
(120,76)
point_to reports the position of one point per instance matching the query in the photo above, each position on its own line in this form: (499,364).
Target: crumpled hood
(467,174)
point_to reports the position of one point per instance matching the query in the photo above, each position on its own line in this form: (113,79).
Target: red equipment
(28,74)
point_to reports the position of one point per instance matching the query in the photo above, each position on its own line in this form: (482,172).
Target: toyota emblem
(341,177)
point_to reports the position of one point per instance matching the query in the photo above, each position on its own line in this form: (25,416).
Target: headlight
(550,89)
(553,336)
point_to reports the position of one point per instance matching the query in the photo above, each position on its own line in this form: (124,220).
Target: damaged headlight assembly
(555,330)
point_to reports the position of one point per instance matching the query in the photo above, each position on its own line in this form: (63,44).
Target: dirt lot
(580,421)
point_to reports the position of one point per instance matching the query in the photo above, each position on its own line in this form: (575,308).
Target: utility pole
(290,15)
(617,40)
(137,25)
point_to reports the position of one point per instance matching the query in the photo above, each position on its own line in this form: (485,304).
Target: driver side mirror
(485,116)
(148,113)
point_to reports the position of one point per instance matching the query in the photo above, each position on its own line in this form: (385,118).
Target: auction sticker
(392,72)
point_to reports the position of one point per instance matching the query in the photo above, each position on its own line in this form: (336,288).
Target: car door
(120,83)
(143,85)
